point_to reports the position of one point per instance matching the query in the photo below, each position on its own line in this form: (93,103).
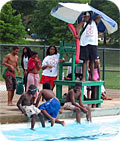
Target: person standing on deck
(11,62)
(24,62)
(33,68)
(88,41)
(50,66)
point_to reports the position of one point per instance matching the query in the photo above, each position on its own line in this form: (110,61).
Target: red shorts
(49,79)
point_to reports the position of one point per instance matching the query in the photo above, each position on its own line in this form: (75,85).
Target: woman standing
(50,66)
(24,62)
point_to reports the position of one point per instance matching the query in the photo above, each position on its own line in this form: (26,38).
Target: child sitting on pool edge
(51,107)
(25,105)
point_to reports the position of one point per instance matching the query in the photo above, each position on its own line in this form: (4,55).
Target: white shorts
(31,110)
(69,106)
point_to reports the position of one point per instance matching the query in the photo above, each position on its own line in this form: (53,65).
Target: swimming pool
(101,129)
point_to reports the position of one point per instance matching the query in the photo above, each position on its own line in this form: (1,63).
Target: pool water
(101,129)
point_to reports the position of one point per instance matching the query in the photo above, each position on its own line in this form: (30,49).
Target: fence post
(1,60)
(44,51)
(103,77)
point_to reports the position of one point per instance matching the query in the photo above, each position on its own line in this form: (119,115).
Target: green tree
(25,8)
(46,25)
(11,27)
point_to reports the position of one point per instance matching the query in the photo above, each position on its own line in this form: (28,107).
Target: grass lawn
(112,80)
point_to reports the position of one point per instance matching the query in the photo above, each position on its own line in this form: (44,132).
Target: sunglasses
(33,89)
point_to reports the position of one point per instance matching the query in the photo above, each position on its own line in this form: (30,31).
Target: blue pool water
(101,129)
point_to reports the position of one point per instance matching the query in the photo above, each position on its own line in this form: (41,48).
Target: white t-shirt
(90,35)
(25,62)
(51,60)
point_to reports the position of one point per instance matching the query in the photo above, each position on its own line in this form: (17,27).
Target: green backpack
(3,73)
(20,86)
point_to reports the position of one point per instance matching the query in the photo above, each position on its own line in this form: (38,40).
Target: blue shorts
(52,107)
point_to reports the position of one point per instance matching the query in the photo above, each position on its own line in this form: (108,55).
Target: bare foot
(89,105)
(11,104)
(32,129)
(63,123)
(104,97)
(92,79)
(60,111)
(93,105)
(108,98)
(83,79)
(52,121)
(87,116)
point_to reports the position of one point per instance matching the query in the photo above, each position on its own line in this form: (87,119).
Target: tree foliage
(56,30)
(36,16)
(11,28)
(112,11)
(47,26)
(26,7)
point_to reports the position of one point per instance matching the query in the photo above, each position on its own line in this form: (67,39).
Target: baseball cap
(86,14)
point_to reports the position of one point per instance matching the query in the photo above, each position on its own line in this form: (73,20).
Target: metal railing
(110,61)
(110,57)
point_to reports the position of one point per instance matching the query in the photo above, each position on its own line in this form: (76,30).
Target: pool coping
(11,114)
(96,112)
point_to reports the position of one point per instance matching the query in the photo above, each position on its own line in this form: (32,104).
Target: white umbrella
(69,12)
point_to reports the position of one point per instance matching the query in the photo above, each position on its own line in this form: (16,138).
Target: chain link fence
(110,64)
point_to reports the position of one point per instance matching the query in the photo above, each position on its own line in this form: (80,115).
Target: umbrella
(70,12)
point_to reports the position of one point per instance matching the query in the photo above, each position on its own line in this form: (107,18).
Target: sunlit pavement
(11,114)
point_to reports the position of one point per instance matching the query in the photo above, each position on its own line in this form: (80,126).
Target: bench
(60,83)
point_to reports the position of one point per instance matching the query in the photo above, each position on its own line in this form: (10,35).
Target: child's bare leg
(88,114)
(41,119)
(92,70)
(33,121)
(10,98)
(60,122)
(51,118)
(83,70)
(78,114)
(94,95)
(88,93)
(60,111)
(93,105)
(33,99)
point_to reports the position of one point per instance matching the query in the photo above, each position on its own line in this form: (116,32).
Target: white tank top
(25,62)
(90,35)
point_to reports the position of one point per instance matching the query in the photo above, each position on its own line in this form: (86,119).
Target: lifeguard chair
(70,48)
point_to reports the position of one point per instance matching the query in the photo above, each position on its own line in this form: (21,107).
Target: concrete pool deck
(11,114)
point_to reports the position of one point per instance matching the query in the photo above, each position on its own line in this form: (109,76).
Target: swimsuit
(10,79)
(31,110)
(52,107)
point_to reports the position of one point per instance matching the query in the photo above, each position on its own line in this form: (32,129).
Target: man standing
(88,41)
(11,62)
